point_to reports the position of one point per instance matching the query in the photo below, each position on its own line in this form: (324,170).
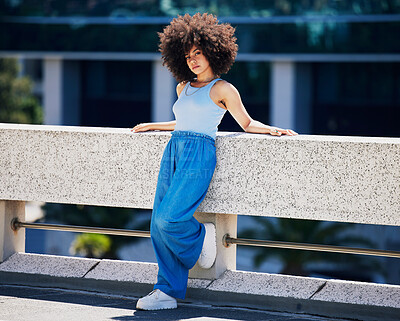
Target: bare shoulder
(180,87)
(223,93)
(225,88)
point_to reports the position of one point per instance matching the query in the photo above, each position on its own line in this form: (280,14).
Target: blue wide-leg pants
(186,170)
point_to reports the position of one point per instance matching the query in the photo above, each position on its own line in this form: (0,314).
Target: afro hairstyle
(216,40)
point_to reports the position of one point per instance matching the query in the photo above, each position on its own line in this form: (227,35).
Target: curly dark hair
(217,42)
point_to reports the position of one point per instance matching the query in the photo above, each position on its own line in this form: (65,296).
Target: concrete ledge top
(331,178)
(237,135)
(238,282)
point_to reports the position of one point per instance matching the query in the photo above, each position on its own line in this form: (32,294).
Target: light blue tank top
(196,111)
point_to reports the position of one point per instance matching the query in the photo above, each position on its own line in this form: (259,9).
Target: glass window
(319,38)
(260,8)
(283,26)
(357,99)
(95,38)
(115,93)
(313,37)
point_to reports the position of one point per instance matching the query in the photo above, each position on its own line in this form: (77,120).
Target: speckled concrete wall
(349,179)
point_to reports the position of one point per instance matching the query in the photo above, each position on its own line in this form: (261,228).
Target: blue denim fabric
(186,170)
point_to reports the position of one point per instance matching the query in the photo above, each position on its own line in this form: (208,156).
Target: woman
(196,49)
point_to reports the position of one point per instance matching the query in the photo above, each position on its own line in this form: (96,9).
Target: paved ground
(32,303)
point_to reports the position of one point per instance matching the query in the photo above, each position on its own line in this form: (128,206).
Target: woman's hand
(276,131)
(142,127)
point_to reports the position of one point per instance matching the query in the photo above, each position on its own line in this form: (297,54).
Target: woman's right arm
(168,125)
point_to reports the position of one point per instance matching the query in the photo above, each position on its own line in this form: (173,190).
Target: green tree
(17,103)
(91,245)
(297,262)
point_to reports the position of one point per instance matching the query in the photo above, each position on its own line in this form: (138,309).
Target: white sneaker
(156,300)
(209,250)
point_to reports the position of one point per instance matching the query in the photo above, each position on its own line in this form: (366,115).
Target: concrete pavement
(20,303)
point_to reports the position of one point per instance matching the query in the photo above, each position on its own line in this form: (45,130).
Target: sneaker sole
(154,309)
(159,306)
(209,263)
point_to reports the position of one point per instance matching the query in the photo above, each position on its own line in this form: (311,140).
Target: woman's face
(196,61)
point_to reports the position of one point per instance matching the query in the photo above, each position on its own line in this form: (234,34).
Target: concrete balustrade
(343,179)
(346,179)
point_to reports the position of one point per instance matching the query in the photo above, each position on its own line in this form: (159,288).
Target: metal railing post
(11,241)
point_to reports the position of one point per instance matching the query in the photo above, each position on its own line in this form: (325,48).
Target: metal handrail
(343,18)
(16,224)
(227,240)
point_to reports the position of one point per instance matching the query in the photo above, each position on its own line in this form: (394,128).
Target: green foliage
(17,103)
(91,245)
(96,216)
(296,262)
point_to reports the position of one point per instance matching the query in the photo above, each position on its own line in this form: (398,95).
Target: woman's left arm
(233,102)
